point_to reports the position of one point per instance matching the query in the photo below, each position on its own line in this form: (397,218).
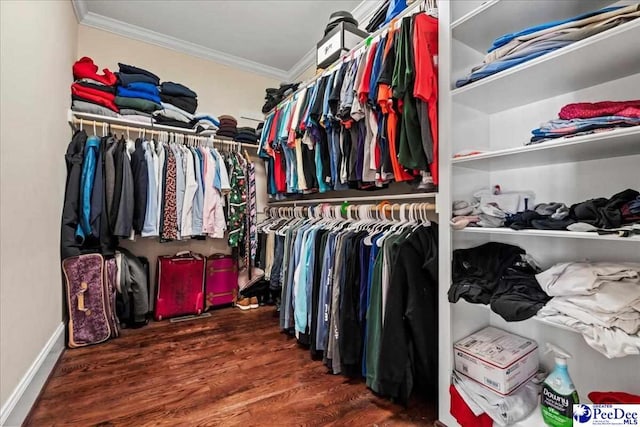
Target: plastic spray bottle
(558,392)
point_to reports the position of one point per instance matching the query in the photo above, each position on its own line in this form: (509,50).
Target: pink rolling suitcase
(221,281)
(180,288)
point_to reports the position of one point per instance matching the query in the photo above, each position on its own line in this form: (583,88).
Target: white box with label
(497,359)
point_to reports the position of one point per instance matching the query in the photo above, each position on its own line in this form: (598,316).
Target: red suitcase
(180,289)
(221,281)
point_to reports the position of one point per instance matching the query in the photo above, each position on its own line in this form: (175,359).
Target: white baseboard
(17,407)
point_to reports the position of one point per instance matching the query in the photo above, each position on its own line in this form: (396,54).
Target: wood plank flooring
(234,368)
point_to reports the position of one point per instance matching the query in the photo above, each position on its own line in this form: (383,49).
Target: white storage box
(497,359)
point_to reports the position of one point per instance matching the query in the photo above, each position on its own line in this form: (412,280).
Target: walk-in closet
(342,212)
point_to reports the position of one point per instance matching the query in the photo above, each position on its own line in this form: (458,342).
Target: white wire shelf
(564,234)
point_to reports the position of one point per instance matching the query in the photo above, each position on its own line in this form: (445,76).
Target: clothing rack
(409,196)
(429,6)
(408,211)
(95,121)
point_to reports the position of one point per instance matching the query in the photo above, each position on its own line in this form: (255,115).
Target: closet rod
(150,129)
(354,208)
(408,11)
(377,198)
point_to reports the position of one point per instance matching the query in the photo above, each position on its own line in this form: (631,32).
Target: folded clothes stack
(619,214)
(585,118)
(247,134)
(600,300)
(228,126)
(92,92)
(137,95)
(514,49)
(181,98)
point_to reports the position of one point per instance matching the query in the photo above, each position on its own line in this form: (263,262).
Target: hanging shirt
(198,200)
(191,186)
(160,166)
(151,214)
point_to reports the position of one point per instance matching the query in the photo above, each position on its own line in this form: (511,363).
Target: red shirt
(84,68)
(425,54)
(96,96)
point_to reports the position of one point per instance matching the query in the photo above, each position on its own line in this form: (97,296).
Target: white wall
(221,90)
(38,46)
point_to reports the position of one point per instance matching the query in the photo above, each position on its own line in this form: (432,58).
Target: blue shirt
(86,186)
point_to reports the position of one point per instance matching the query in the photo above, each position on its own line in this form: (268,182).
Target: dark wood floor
(234,368)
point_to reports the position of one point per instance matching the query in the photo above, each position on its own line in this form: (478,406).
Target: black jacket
(477,271)
(140,186)
(133,299)
(409,350)
(73,158)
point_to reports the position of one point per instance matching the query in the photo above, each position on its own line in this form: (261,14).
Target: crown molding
(308,60)
(362,12)
(138,33)
(79,9)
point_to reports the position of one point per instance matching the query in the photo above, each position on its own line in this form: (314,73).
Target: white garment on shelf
(612,342)
(627,320)
(582,278)
(503,410)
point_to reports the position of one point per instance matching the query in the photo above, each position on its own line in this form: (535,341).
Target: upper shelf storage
(480,27)
(615,143)
(607,56)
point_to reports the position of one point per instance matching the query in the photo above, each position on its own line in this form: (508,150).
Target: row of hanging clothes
(168,187)
(365,122)
(360,291)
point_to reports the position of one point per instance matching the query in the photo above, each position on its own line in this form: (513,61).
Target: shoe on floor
(254,302)
(243,304)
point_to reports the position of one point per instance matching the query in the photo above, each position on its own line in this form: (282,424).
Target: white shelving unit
(561,234)
(496,115)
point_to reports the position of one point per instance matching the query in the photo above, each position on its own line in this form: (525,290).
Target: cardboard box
(341,39)
(497,359)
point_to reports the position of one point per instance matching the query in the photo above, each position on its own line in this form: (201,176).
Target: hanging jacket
(133,294)
(139,170)
(91,150)
(409,351)
(73,158)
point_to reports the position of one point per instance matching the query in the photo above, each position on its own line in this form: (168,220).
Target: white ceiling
(272,37)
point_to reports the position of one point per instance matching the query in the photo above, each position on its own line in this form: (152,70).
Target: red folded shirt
(463,414)
(96,96)
(84,68)
(611,397)
(588,110)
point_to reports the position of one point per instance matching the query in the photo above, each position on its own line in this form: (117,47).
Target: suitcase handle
(187,254)
(80,295)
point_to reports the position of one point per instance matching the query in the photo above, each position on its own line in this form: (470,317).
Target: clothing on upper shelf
(123,188)
(246,134)
(95,96)
(84,68)
(514,49)
(506,209)
(498,274)
(132,70)
(177,89)
(185,103)
(341,281)
(588,110)
(228,126)
(367,122)
(600,300)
